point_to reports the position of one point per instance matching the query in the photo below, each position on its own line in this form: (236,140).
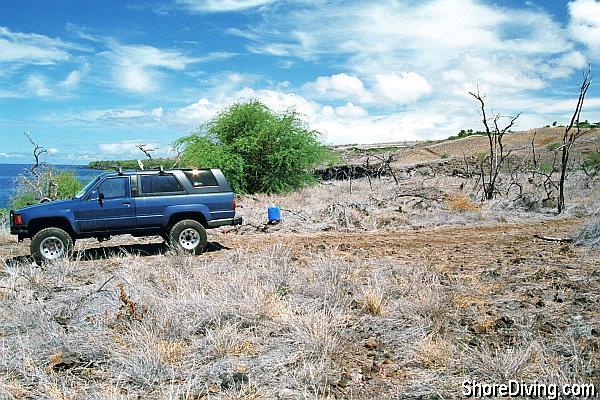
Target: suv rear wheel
(188,235)
(50,244)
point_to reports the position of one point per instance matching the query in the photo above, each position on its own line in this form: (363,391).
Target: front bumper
(21,231)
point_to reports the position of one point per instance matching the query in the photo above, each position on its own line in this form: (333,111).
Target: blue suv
(178,205)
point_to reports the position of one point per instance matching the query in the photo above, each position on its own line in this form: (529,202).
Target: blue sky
(91,80)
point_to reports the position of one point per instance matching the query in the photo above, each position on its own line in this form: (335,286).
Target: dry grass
(461,202)
(389,291)
(293,321)
(373,298)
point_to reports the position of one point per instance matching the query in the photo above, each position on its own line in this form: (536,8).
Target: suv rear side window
(201,178)
(153,184)
(113,188)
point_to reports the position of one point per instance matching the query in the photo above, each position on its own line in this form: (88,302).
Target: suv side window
(113,188)
(201,178)
(155,184)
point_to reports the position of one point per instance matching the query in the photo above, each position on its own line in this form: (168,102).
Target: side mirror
(100,198)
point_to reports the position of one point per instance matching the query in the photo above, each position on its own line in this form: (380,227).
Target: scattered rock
(234,381)
(64,360)
(372,343)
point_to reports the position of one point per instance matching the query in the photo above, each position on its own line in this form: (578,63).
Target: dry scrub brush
(425,197)
(290,321)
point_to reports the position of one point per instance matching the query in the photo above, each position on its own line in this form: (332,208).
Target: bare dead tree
(146,150)
(534,157)
(38,177)
(572,132)
(38,151)
(497,155)
(386,164)
(179,152)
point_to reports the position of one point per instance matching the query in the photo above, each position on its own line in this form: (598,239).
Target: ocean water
(9,173)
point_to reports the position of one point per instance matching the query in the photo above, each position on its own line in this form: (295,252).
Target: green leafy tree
(260,150)
(23,199)
(67,185)
(63,185)
(201,152)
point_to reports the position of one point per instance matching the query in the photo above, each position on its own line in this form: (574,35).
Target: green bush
(465,133)
(332,158)
(131,164)
(201,152)
(587,124)
(258,149)
(553,146)
(546,168)
(592,160)
(66,185)
(23,199)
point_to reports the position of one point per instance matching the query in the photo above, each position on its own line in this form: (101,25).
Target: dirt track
(443,246)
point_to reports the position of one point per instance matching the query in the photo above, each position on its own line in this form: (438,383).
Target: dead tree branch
(146,150)
(496,155)
(572,132)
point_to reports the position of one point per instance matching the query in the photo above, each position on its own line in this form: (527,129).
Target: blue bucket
(274,214)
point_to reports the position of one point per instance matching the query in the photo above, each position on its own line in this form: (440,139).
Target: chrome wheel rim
(52,247)
(189,238)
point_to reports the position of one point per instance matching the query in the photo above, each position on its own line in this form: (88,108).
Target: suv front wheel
(188,235)
(51,243)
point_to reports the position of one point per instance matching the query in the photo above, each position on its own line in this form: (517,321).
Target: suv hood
(51,205)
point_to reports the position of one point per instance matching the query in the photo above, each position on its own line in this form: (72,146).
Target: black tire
(188,235)
(50,244)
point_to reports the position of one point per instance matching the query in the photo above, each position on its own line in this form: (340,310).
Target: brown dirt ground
(443,245)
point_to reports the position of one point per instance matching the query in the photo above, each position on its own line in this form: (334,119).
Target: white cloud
(199,112)
(382,34)
(453,45)
(126,148)
(340,86)
(32,48)
(52,150)
(36,85)
(386,89)
(585,23)
(12,155)
(72,79)
(343,124)
(136,67)
(215,6)
(351,111)
(401,88)
(115,116)
(565,106)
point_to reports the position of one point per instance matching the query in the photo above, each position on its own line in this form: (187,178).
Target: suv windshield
(86,188)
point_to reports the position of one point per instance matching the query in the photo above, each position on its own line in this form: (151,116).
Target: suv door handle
(126,203)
